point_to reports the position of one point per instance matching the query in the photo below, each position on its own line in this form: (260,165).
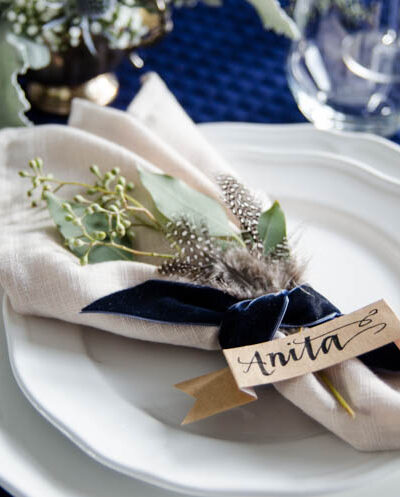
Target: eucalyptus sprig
(108,204)
(107,212)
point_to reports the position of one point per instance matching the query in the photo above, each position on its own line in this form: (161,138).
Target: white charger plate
(114,397)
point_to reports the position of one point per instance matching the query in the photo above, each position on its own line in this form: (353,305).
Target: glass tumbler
(344,71)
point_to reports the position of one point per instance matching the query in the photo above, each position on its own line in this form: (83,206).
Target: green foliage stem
(100,228)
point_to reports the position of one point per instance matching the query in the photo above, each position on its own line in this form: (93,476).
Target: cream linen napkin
(39,275)
(42,278)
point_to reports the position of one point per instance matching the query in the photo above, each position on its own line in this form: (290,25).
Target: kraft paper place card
(316,348)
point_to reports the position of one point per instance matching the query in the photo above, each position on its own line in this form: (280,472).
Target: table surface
(221,65)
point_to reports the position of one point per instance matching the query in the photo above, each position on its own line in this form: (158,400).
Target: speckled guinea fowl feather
(195,251)
(246,207)
(244,272)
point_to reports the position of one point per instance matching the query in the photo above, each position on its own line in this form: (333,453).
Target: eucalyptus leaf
(272,228)
(274,17)
(93,222)
(16,56)
(174,198)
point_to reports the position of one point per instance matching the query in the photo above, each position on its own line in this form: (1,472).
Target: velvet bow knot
(254,321)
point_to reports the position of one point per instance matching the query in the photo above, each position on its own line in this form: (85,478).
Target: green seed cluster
(38,180)
(110,190)
(110,196)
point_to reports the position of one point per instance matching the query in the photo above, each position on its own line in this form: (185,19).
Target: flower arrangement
(66,24)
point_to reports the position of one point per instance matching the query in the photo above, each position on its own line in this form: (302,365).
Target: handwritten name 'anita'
(310,348)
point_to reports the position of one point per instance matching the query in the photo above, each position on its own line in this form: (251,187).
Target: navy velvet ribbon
(241,322)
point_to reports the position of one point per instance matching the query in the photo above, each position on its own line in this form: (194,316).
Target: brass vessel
(78,73)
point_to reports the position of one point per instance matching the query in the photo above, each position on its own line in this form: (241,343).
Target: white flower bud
(40,5)
(11,16)
(96,28)
(74,32)
(32,30)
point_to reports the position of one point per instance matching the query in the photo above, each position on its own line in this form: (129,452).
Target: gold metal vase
(78,73)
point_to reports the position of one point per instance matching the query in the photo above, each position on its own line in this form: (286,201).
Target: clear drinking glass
(344,72)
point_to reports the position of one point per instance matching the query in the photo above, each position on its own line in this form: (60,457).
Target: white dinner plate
(114,397)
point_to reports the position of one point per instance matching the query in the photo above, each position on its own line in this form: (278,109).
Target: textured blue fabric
(253,321)
(222,66)
(386,358)
(241,322)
